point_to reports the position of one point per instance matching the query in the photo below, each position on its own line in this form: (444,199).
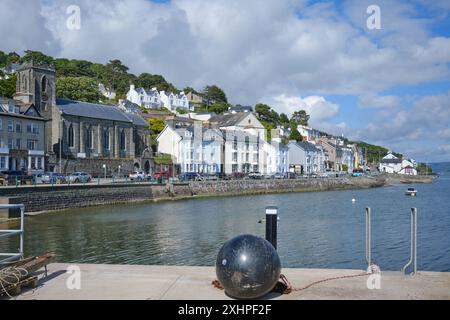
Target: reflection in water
(321,229)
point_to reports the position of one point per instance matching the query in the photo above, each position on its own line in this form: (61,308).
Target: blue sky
(389,86)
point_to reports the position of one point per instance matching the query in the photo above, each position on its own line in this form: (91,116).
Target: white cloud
(376,101)
(317,107)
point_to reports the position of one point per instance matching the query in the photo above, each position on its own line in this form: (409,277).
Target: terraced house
(22,130)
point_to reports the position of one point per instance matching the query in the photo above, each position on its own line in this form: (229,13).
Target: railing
(11,256)
(413,252)
(368,237)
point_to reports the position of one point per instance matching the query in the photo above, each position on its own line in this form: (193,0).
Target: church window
(70,137)
(122,140)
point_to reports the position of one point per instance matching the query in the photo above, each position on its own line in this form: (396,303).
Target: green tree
(148,81)
(214,93)
(36,56)
(295,135)
(8,87)
(300,117)
(78,88)
(182,111)
(3,59)
(190,89)
(156,125)
(423,168)
(284,120)
(219,107)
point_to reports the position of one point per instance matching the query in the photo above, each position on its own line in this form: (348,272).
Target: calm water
(321,229)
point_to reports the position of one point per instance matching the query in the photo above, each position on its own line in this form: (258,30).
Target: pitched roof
(227,120)
(391,161)
(96,111)
(307,146)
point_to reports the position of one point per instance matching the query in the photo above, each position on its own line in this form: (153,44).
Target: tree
(190,89)
(37,57)
(219,107)
(284,120)
(156,125)
(148,81)
(78,88)
(214,93)
(8,87)
(295,135)
(182,111)
(423,168)
(300,117)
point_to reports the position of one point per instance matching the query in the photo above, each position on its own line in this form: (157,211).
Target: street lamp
(60,144)
(104,167)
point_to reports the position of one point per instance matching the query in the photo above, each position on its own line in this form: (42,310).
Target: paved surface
(179,283)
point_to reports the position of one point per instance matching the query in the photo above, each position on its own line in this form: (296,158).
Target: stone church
(81,136)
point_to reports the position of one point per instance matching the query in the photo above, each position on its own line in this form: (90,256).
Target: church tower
(36,84)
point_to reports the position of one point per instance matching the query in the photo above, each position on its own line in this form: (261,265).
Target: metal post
(22,227)
(413,250)
(368,237)
(272,225)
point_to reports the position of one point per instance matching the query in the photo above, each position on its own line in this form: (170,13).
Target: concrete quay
(137,282)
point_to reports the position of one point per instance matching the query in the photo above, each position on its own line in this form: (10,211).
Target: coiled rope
(14,273)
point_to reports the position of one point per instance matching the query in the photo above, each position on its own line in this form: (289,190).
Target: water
(316,230)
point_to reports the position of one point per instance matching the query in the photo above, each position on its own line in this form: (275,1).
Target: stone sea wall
(57,197)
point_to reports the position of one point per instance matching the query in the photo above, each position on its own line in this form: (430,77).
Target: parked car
(53,177)
(222,176)
(190,176)
(138,176)
(79,177)
(237,175)
(255,175)
(11,177)
(279,175)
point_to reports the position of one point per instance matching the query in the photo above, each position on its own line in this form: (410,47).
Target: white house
(392,164)
(347,158)
(212,151)
(309,134)
(276,157)
(305,158)
(173,101)
(184,144)
(106,92)
(144,98)
(244,142)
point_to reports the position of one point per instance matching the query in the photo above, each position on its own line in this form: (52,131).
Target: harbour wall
(58,197)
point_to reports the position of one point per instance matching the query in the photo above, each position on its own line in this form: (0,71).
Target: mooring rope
(11,272)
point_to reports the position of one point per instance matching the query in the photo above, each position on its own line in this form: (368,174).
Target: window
(235,156)
(44,84)
(3,162)
(18,144)
(89,138)
(32,144)
(32,128)
(10,143)
(247,143)
(123,140)
(106,138)
(1,143)
(1,124)
(39,163)
(11,125)
(234,168)
(33,163)
(11,108)
(70,137)
(235,143)
(18,126)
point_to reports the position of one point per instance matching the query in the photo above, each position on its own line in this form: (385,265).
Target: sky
(388,85)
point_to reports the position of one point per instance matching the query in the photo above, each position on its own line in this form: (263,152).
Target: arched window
(89,139)
(44,84)
(70,137)
(106,138)
(122,140)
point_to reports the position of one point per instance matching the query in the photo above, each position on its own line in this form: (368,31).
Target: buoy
(248,267)
(353,200)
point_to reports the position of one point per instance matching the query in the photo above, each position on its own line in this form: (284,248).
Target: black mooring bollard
(272,225)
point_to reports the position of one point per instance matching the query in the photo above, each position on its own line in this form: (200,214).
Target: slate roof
(229,119)
(239,108)
(307,146)
(391,161)
(97,111)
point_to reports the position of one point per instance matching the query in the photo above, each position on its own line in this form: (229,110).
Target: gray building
(22,131)
(305,158)
(83,136)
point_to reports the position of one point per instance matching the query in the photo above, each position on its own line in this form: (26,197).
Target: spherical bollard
(248,267)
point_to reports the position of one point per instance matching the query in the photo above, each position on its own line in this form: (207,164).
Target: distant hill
(440,167)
